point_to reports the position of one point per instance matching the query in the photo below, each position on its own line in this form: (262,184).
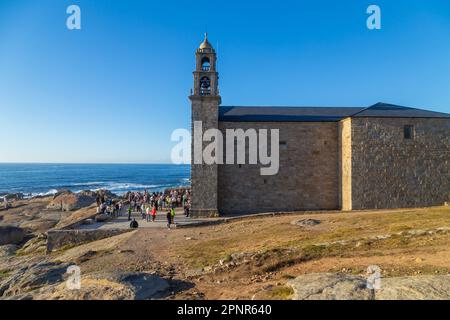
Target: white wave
(44,194)
(95,183)
(123,187)
(115,187)
(130,186)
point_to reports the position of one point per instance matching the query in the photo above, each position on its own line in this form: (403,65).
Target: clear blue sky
(115,90)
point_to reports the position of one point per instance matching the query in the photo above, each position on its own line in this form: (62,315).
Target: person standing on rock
(129,213)
(169,218)
(153,212)
(167,202)
(119,211)
(172,214)
(147,213)
(142,210)
(186,209)
(183,200)
(159,202)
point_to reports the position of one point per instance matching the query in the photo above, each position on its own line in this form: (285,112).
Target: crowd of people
(148,204)
(110,207)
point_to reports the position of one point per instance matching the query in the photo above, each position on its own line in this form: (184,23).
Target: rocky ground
(295,256)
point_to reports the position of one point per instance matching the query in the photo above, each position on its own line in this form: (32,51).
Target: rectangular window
(283,145)
(408,132)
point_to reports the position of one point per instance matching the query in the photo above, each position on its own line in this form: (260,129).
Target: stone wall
(389,171)
(204,176)
(57,239)
(308,177)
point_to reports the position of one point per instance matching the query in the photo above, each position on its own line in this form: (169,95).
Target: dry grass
(4,273)
(265,234)
(283,250)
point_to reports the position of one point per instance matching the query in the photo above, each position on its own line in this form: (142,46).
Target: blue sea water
(42,179)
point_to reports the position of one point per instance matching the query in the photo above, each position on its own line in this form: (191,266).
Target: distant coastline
(40,179)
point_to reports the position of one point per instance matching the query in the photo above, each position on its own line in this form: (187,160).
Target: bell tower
(205,74)
(205,101)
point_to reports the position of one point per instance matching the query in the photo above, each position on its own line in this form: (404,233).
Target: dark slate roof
(381,110)
(285,114)
(321,114)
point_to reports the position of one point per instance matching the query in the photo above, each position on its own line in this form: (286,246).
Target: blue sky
(115,90)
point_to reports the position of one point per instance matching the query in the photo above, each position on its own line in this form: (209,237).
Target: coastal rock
(307,222)
(88,221)
(77,217)
(68,201)
(32,277)
(102,217)
(328,286)
(8,250)
(109,286)
(88,193)
(12,196)
(35,244)
(101,193)
(38,225)
(11,235)
(59,239)
(108,194)
(415,288)
(241,257)
(194,272)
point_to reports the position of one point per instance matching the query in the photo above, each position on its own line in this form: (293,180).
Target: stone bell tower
(205,101)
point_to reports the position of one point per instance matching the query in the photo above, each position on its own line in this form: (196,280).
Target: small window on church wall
(408,132)
(283,145)
(206,65)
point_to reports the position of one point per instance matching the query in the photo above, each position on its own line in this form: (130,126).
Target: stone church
(377,157)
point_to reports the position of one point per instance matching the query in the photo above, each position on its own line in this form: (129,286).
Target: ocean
(46,179)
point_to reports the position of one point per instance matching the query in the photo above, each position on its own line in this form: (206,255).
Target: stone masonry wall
(203,176)
(389,171)
(57,239)
(308,177)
